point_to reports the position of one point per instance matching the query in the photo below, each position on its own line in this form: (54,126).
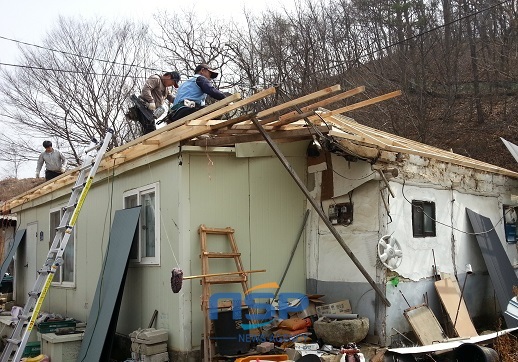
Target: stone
(340,332)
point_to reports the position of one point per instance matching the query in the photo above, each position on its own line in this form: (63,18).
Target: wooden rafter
(286,127)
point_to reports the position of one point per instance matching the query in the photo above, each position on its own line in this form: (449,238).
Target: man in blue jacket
(193,92)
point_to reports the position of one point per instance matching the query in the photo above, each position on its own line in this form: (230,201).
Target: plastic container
(470,352)
(32,349)
(51,326)
(264,358)
(231,339)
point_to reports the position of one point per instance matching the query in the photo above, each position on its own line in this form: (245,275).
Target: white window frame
(138,192)
(58,276)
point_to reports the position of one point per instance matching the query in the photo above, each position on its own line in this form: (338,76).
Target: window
(146,242)
(423,218)
(65,274)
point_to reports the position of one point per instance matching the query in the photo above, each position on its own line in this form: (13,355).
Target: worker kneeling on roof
(192,93)
(154,92)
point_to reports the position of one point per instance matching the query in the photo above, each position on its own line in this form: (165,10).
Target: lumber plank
(327,101)
(253,98)
(366,102)
(293,118)
(297,101)
(451,298)
(242,138)
(232,98)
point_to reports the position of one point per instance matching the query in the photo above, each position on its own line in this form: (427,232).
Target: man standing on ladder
(55,162)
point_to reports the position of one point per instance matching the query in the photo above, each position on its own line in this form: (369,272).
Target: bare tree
(186,40)
(76,87)
(14,154)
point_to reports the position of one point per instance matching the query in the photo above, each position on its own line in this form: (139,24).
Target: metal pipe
(292,252)
(468,272)
(315,205)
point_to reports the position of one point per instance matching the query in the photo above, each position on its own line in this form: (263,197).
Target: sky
(29,21)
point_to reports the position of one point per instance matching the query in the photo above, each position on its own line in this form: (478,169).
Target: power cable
(243,84)
(77,55)
(414,36)
(441,223)
(68,71)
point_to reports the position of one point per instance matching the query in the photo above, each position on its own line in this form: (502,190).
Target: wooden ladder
(239,277)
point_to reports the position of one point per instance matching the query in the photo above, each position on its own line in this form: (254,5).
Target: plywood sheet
(425,325)
(450,294)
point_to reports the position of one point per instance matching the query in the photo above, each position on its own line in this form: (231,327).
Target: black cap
(174,75)
(213,73)
(47,144)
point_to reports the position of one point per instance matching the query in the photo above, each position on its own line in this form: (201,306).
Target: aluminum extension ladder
(19,337)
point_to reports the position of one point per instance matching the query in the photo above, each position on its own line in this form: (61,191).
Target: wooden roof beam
(231,140)
(297,101)
(325,102)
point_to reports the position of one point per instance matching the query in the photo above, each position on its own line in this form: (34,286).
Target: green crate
(51,326)
(32,349)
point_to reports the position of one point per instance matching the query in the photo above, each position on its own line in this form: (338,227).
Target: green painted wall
(255,196)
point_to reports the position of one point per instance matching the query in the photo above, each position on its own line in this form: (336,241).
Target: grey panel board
(498,265)
(14,246)
(110,284)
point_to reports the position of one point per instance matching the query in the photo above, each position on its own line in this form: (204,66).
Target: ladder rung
(23,317)
(225,279)
(77,187)
(34,294)
(59,228)
(207,230)
(212,254)
(44,270)
(69,206)
(87,166)
(13,341)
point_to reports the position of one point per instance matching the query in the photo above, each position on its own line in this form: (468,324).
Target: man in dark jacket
(154,92)
(193,92)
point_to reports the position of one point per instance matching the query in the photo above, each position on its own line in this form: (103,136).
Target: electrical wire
(413,37)
(354,179)
(77,55)
(69,71)
(243,83)
(441,223)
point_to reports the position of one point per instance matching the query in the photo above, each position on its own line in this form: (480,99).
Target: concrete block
(148,349)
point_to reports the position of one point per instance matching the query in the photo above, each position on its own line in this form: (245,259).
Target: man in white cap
(193,92)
